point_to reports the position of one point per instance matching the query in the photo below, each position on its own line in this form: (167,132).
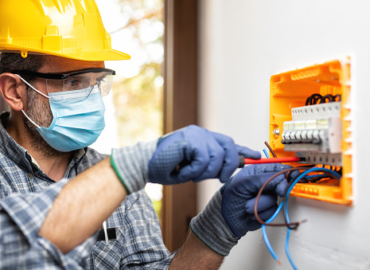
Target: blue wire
(287,248)
(263,227)
(285,201)
(264,233)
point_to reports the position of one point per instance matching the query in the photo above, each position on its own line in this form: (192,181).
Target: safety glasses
(76,80)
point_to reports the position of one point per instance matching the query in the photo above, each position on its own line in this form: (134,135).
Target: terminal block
(315,133)
(319,134)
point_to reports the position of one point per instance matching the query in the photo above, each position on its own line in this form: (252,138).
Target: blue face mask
(78,118)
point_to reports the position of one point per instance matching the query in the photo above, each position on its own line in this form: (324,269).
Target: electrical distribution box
(317,133)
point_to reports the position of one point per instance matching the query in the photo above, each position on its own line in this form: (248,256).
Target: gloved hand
(230,213)
(197,153)
(244,186)
(194,153)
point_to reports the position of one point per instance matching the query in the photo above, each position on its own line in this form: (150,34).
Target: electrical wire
(311,100)
(287,252)
(314,98)
(307,169)
(333,174)
(274,155)
(330,98)
(287,175)
(263,227)
(269,147)
(265,237)
(285,202)
(295,224)
(313,178)
(287,223)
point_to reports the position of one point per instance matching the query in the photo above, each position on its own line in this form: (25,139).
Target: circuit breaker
(310,118)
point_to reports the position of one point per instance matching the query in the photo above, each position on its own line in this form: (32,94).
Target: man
(56,193)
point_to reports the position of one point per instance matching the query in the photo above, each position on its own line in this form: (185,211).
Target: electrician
(56,192)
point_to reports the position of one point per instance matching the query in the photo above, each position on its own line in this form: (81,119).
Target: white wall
(243,43)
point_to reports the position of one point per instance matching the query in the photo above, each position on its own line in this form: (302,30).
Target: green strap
(114,166)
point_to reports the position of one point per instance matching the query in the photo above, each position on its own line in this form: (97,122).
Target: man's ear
(13,91)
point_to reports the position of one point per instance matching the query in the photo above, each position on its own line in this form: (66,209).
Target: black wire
(337,96)
(308,101)
(314,179)
(314,98)
(329,97)
(287,175)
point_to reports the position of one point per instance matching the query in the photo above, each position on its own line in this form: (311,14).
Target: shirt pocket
(107,256)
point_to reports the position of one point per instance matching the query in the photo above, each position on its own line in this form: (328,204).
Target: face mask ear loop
(32,86)
(30,119)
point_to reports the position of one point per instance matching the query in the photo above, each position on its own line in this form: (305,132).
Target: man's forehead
(55,64)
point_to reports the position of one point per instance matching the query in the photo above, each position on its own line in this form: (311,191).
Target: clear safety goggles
(76,80)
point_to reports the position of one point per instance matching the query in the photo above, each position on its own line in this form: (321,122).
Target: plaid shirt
(27,195)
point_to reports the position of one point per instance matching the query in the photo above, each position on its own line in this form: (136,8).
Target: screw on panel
(276,132)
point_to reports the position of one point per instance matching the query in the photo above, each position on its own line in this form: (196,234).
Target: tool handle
(244,161)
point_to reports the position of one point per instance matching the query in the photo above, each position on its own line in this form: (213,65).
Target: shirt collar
(11,149)
(78,154)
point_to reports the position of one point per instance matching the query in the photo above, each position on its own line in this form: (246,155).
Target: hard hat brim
(104,55)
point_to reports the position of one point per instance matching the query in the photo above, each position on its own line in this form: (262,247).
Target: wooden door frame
(180,108)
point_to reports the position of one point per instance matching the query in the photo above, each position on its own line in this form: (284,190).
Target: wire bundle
(315,98)
(304,177)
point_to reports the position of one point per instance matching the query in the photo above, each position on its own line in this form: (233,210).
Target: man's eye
(73,82)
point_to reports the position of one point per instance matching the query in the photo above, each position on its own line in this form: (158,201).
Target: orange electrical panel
(290,90)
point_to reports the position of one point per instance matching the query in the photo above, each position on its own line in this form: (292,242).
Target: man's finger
(248,153)
(199,162)
(231,159)
(265,215)
(216,158)
(265,202)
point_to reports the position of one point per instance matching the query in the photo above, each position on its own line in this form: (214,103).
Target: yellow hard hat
(66,28)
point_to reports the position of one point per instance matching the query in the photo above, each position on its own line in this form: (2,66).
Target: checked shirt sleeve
(21,247)
(131,163)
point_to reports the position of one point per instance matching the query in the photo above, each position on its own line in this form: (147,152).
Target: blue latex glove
(194,153)
(239,196)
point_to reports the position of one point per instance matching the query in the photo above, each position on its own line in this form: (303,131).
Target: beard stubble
(41,114)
